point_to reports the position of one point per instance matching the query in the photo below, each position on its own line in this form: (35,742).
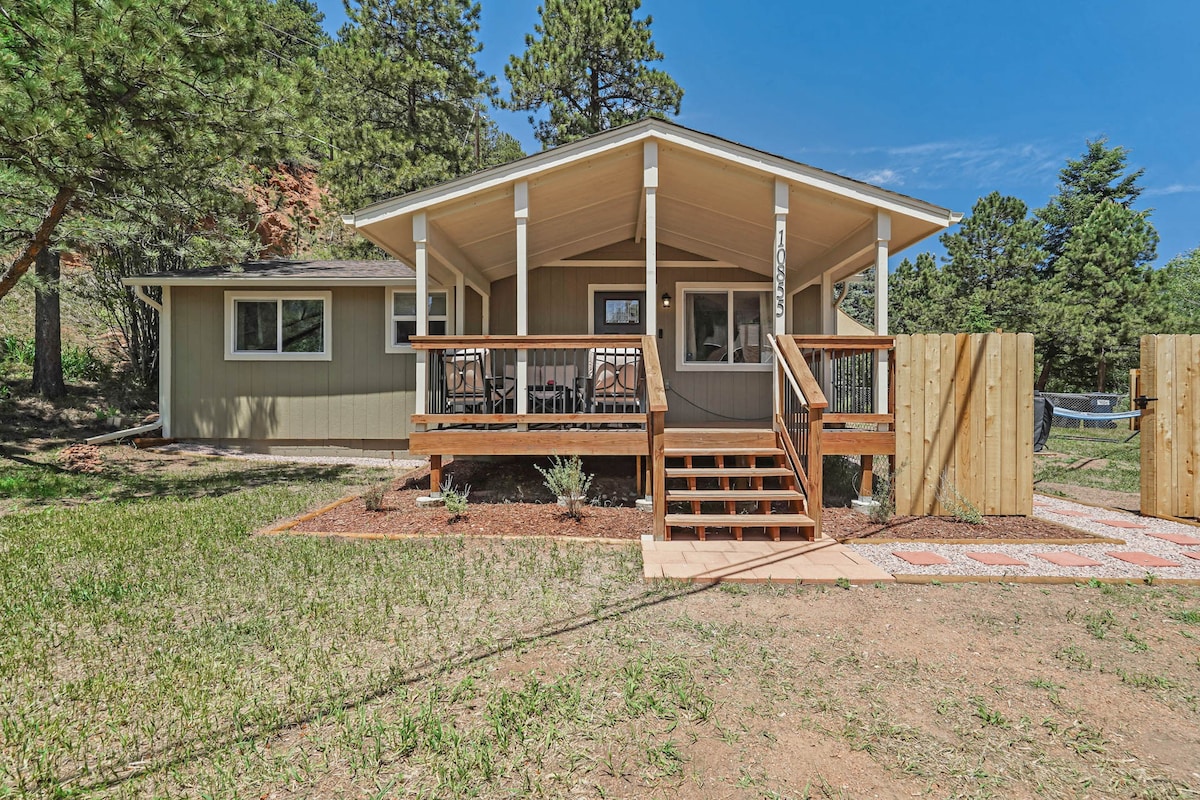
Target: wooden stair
(735,480)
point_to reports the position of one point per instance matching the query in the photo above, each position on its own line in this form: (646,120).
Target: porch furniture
(614,382)
(469,387)
(554,389)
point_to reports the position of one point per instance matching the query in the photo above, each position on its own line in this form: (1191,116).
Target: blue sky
(945,102)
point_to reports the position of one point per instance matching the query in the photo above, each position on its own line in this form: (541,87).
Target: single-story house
(509,285)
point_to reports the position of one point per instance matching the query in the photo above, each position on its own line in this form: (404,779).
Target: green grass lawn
(1098,458)
(150,647)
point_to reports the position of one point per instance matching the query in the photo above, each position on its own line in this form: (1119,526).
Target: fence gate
(964,422)
(1170,384)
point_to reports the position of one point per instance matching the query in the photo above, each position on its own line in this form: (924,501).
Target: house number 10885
(780,277)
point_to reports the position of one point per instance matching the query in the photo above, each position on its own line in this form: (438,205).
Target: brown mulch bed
(844,525)
(402,516)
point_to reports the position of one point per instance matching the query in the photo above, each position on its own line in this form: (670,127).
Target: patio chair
(615,379)
(469,387)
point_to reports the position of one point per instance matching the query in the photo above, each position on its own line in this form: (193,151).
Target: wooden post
(658,472)
(650,187)
(435,474)
(883,233)
(420,240)
(815,468)
(866,486)
(521,213)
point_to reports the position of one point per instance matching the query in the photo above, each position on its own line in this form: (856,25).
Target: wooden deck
(738,481)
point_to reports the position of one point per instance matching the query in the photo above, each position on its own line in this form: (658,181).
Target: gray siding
(361,394)
(558,304)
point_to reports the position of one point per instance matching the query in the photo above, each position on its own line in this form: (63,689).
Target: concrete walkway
(825,561)
(1152,547)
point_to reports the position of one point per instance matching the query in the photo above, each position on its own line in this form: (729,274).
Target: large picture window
(402,315)
(724,327)
(288,326)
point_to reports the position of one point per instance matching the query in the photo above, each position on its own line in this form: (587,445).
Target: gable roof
(715,199)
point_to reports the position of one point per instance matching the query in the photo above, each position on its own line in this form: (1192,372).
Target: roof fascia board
(242,280)
(499,176)
(809,176)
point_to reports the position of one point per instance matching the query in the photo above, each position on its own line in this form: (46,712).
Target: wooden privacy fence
(964,422)
(1170,382)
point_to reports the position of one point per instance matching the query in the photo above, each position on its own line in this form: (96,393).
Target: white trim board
(232,297)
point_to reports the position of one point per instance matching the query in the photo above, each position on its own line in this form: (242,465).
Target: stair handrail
(656,412)
(799,405)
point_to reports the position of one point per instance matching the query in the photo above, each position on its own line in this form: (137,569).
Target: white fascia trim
(811,176)
(499,176)
(254,283)
(231,324)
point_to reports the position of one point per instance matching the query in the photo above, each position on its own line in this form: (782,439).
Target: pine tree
(990,269)
(403,97)
(1084,183)
(1178,284)
(105,104)
(1103,289)
(588,63)
(917,297)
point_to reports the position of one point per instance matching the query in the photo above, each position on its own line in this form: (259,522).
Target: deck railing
(564,381)
(847,370)
(799,407)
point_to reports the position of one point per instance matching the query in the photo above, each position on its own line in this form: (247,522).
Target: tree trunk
(1047,364)
(1101,374)
(47,354)
(38,242)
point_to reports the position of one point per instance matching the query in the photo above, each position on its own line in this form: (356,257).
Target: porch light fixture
(666,300)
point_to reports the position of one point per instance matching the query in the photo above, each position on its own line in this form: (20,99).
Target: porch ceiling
(709,204)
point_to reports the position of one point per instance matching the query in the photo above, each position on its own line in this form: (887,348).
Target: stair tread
(680,452)
(726,472)
(739,520)
(733,494)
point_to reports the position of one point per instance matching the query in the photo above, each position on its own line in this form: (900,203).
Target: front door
(618,311)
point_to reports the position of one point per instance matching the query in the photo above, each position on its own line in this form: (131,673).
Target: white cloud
(882,177)
(1174,188)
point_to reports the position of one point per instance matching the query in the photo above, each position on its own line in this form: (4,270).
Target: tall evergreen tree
(403,97)
(917,297)
(1084,183)
(105,103)
(1178,286)
(990,267)
(1099,178)
(588,63)
(1102,289)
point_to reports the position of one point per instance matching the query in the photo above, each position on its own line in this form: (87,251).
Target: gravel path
(1051,508)
(227,452)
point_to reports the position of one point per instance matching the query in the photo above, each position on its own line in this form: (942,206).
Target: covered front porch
(592,298)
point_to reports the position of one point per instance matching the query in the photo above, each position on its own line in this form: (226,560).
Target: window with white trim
(402,315)
(284,326)
(724,327)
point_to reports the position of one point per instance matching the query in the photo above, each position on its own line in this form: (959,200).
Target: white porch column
(782,190)
(650,187)
(421,241)
(486,309)
(883,234)
(460,304)
(521,213)
(165,357)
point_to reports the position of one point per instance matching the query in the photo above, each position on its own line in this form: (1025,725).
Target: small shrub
(455,499)
(881,492)
(566,479)
(959,507)
(17,351)
(373,496)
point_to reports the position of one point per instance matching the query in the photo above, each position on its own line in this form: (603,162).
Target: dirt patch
(845,525)
(1125,501)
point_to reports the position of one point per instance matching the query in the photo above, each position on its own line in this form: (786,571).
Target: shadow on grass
(45,483)
(168,757)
